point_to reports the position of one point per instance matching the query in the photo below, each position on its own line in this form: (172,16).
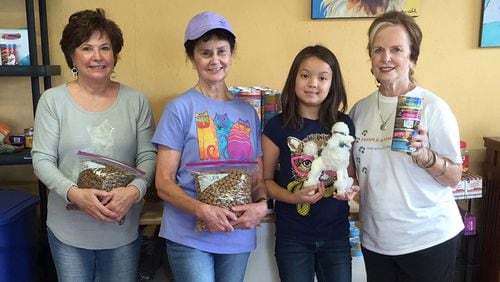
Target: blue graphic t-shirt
(327,219)
(204,129)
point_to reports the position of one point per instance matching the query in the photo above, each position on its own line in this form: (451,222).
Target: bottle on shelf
(28,137)
(4,54)
(12,58)
(465,156)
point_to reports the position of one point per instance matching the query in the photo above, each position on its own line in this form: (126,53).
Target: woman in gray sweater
(94,114)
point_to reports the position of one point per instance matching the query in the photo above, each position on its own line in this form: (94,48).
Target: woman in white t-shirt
(410,221)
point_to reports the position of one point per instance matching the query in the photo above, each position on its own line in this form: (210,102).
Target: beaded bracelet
(443,171)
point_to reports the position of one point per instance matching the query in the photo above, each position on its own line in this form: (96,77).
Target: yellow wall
(269,34)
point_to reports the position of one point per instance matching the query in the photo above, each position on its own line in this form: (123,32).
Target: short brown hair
(81,25)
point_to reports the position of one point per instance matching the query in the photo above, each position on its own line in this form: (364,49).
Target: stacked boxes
(469,187)
(14,48)
(252,95)
(272,103)
(265,100)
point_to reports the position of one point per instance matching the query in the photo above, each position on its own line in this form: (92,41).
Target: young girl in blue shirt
(312,226)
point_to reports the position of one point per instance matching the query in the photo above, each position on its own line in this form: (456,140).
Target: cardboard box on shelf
(474,186)
(272,104)
(265,100)
(254,98)
(469,187)
(459,191)
(14,47)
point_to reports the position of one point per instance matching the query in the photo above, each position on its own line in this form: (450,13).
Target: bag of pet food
(103,173)
(222,183)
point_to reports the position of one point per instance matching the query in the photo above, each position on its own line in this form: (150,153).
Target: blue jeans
(300,261)
(77,264)
(192,265)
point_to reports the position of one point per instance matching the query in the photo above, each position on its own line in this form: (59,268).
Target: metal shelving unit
(35,72)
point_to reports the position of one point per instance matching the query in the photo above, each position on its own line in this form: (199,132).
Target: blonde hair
(395,18)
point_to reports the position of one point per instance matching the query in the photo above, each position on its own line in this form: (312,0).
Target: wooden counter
(152,213)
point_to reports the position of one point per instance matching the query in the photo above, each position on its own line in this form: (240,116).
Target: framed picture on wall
(327,9)
(490,24)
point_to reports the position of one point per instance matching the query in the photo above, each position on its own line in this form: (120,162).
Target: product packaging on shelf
(265,100)
(465,156)
(14,48)
(252,95)
(469,187)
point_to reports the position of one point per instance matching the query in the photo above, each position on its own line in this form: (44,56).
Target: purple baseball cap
(204,22)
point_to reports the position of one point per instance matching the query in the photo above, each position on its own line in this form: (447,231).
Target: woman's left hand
(252,215)
(441,168)
(123,198)
(418,141)
(347,195)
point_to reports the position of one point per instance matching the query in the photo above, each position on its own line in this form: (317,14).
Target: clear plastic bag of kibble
(222,183)
(101,172)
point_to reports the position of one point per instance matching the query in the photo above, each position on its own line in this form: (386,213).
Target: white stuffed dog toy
(334,157)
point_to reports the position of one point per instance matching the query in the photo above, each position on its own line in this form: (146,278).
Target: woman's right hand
(216,219)
(92,202)
(309,195)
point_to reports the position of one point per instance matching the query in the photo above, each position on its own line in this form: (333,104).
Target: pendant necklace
(384,125)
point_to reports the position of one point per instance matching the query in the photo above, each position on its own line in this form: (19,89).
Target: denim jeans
(192,265)
(82,265)
(300,261)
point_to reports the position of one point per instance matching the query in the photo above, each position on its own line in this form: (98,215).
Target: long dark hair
(336,100)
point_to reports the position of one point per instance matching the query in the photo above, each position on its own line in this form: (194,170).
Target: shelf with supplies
(469,187)
(36,69)
(465,192)
(16,158)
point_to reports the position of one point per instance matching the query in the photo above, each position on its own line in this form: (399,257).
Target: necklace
(383,126)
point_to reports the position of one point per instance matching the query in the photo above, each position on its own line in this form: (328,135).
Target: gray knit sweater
(122,132)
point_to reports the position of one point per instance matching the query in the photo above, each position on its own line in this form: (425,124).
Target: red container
(465,156)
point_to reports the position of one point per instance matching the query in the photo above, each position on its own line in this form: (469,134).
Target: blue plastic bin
(18,235)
